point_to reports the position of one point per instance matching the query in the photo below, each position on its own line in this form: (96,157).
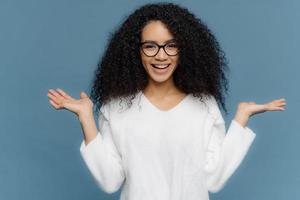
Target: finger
(50,95)
(55,93)
(56,99)
(64,94)
(277,108)
(54,104)
(83,95)
(280,100)
(280,103)
(53,98)
(277,103)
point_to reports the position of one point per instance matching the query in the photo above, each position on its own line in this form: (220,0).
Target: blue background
(57,44)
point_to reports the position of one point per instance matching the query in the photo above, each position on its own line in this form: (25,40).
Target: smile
(160,66)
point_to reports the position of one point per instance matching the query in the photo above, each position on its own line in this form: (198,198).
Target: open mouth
(160,66)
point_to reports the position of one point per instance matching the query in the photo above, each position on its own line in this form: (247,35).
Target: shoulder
(114,106)
(107,108)
(210,106)
(104,110)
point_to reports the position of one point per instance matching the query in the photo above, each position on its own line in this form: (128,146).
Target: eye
(149,46)
(172,45)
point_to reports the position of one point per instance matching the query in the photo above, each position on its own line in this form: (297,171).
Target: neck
(161,89)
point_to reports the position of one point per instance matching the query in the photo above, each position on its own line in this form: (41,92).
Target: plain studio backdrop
(57,44)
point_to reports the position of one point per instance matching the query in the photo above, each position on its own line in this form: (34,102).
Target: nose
(161,54)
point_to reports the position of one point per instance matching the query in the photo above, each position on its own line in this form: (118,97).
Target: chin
(161,77)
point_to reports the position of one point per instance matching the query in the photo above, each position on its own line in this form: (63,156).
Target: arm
(88,127)
(98,149)
(225,152)
(101,156)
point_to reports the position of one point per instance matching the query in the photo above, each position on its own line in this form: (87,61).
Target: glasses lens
(150,49)
(171,49)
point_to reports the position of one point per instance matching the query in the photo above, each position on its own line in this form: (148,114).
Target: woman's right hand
(61,100)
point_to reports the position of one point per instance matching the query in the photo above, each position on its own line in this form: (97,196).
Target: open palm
(253,108)
(61,100)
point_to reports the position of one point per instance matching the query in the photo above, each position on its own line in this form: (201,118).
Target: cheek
(175,60)
(144,59)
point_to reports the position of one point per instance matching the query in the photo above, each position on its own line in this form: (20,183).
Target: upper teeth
(162,66)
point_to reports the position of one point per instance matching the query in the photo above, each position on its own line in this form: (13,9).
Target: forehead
(156,31)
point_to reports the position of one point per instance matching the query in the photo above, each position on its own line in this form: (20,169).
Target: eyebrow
(171,40)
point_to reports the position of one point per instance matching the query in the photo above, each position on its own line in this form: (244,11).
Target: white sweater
(179,154)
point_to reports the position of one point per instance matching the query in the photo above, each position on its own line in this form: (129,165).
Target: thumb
(83,95)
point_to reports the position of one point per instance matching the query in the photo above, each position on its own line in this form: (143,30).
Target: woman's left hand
(247,109)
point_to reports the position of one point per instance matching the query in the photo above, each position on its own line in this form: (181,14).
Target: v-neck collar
(163,111)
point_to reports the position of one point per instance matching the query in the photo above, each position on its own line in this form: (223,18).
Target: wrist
(242,118)
(85,116)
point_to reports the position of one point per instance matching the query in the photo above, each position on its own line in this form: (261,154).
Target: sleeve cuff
(246,131)
(85,149)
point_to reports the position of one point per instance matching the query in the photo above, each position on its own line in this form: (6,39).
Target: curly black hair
(120,72)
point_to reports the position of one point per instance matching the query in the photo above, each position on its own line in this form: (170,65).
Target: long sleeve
(224,152)
(102,158)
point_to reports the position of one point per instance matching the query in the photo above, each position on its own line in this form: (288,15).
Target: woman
(170,142)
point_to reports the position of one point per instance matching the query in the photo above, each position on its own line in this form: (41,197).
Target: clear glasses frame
(142,45)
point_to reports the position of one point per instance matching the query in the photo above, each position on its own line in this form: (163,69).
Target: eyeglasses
(150,49)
